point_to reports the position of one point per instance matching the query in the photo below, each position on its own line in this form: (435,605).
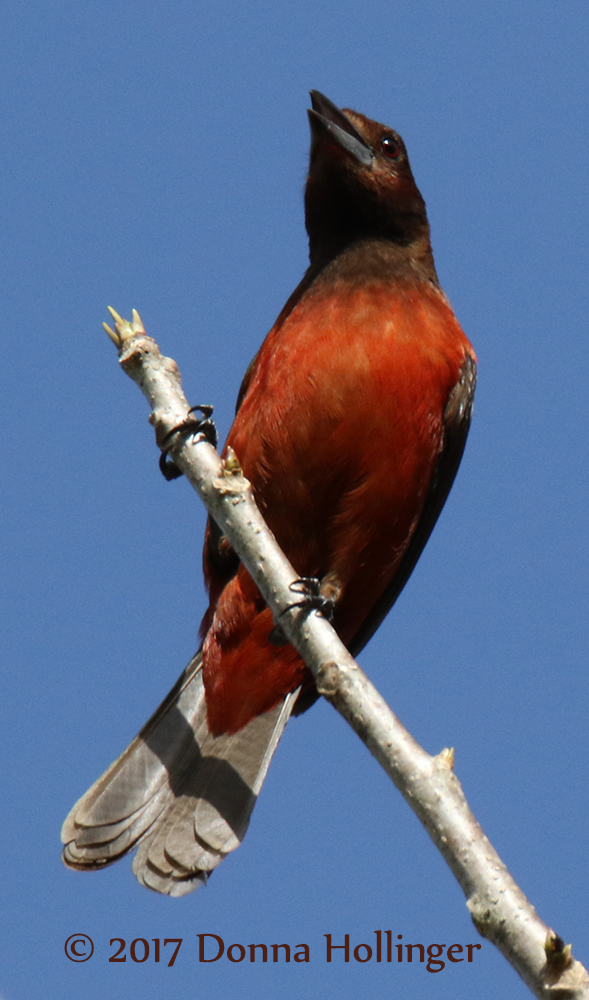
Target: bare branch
(497,905)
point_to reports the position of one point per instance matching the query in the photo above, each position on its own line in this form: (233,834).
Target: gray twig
(497,905)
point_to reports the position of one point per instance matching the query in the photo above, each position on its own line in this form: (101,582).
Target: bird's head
(360,184)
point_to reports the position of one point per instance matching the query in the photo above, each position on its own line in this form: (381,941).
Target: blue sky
(154,156)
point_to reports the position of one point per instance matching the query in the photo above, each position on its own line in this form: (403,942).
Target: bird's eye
(390,148)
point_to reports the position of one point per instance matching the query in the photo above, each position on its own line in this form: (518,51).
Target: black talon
(190,427)
(313,599)
(206,426)
(169,469)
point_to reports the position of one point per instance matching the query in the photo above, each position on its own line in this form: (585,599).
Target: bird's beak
(327,120)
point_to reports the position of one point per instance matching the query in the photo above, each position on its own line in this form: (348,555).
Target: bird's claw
(312,597)
(190,427)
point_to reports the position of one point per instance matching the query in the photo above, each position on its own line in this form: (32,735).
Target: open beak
(327,120)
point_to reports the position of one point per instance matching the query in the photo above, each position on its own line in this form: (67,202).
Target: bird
(351,423)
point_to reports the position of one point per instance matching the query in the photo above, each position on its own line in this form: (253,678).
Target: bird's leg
(191,426)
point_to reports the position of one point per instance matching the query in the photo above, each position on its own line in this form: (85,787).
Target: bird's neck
(374,259)
(365,262)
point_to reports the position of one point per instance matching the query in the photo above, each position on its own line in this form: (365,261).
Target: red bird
(351,423)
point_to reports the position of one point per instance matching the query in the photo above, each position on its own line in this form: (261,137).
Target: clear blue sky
(154,155)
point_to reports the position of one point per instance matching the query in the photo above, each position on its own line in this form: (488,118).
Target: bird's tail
(182,795)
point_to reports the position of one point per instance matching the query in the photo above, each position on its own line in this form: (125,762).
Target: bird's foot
(189,427)
(313,598)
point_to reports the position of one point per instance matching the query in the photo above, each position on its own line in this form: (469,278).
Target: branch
(498,907)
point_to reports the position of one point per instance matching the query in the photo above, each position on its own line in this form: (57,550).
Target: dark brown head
(360,184)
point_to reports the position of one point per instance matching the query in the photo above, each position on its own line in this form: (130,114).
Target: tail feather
(182,795)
